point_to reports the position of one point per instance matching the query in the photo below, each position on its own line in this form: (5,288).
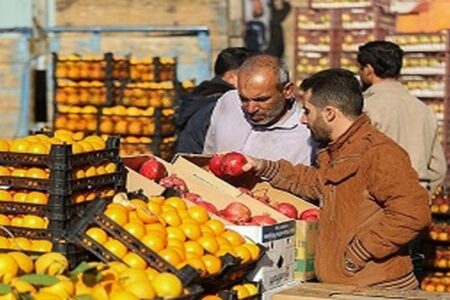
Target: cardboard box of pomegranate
(136,181)
(306,232)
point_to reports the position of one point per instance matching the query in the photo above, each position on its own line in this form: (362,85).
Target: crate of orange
(162,240)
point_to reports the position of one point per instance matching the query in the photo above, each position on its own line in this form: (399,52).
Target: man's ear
(329,113)
(369,70)
(288,90)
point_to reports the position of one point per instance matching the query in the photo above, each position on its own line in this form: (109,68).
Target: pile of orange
(25,244)
(243,291)
(28,172)
(27,221)
(41,144)
(86,196)
(23,196)
(90,171)
(179,234)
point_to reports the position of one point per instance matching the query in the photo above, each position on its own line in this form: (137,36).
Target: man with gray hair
(261,118)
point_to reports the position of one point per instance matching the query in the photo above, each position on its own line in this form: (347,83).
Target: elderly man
(262,117)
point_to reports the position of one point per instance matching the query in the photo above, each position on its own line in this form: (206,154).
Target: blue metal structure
(16,69)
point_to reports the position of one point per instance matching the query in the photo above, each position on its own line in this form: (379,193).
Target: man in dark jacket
(193,116)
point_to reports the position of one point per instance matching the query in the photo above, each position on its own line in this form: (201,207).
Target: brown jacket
(372,205)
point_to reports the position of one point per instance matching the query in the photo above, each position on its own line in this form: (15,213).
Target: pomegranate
(309,215)
(208,205)
(153,170)
(193,197)
(232,163)
(236,212)
(287,209)
(174,182)
(215,164)
(263,220)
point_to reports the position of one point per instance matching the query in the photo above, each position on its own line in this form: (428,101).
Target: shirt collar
(288,122)
(381,86)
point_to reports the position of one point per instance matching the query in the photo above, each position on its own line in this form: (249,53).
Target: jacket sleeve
(437,166)
(300,180)
(394,184)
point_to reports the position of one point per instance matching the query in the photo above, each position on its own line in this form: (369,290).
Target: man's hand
(252,164)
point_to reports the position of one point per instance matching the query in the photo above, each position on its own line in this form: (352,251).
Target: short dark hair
(336,87)
(386,58)
(230,59)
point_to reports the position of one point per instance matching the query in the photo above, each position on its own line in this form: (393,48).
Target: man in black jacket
(193,116)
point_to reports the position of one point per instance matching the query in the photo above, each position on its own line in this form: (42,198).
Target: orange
(20,197)
(135,261)
(77,174)
(4,146)
(156,227)
(213,264)
(90,171)
(4,243)
(100,170)
(171,217)
(199,214)
(111,167)
(116,247)
(217,226)
(4,171)
(196,262)
(23,261)
(91,196)
(243,253)
(191,231)
(141,289)
(179,250)
(22,286)
(119,216)
(135,229)
(8,268)
(16,221)
(233,237)
(77,148)
(19,145)
(194,247)
(36,173)
(146,216)
(185,215)
(224,251)
(132,275)
(4,220)
(211,297)
(154,242)
(176,202)
(36,198)
(138,203)
(175,243)
(133,218)
(151,273)
(97,234)
(20,243)
(96,139)
(87,147)
(78,198)
(175,233)
(41,246)
(38,148)
(154,207)
(209,244)
(242,292)
(167,208)
(171,255)
(253,249)
(36,222)
(167,285)
(5,196)
(207,231)
(252,289)
(157,199)
(223,241)
(123,295)
(18,172)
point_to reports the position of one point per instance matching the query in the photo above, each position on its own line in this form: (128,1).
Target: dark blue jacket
(194,114)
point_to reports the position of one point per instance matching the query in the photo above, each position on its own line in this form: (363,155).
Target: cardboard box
(306,232)
(136,181)
(318,291)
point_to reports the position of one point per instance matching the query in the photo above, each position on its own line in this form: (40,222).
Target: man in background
(260,118)
(398,114)
(193,116)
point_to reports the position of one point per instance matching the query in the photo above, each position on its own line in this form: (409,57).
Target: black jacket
(194,114)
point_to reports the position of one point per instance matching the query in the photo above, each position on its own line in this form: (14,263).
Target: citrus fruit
(213,264)
(23,261)
(167,285)
(199,214)
(116,247)
(134,261)
(97,234)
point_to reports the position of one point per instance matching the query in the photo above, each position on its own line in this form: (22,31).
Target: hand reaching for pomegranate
(252,164)
(232,164)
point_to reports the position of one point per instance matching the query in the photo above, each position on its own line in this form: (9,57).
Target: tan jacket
(412,124)
(372,205)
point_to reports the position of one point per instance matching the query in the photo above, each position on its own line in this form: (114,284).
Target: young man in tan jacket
(371,201)
(398,114)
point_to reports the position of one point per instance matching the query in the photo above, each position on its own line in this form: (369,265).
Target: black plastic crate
(30,233)
(61,157)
